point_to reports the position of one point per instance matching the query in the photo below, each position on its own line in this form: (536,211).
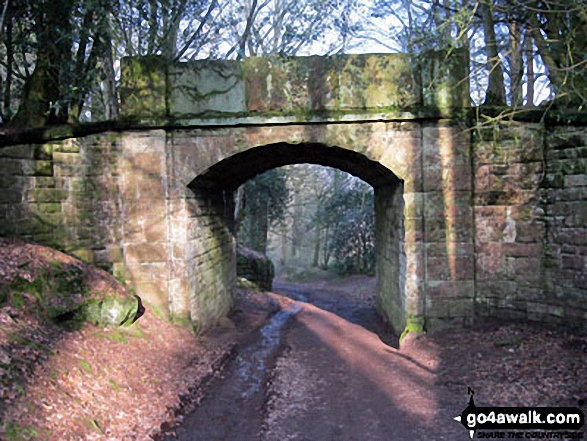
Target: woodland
(60,64)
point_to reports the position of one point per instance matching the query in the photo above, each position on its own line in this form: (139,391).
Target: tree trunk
(284,242)
(79,72)
(530,78)
(39,91)
(262,229)
(153,26)
(495,95)
(6,111)
(111,107)
(42,89)
(326,250)
(256,224)
(296,229)
(317,243)
(556,79)
(239,212)
(277,26)
(171,20)
(516,63)
(449,22)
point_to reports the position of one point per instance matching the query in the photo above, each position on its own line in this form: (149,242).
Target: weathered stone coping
(154,87)
(468,116)
(55,133)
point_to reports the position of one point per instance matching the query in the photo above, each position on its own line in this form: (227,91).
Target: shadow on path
(315,374)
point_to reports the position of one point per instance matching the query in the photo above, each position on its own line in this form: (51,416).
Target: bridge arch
(228,174)
(149,197)
(233,171)
(207,166)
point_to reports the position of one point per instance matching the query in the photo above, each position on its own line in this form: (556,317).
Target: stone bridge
(469,223)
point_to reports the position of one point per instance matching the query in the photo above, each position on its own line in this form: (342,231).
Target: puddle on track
(232,408)
(252,361)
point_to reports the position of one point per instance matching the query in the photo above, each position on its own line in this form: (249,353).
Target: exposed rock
(58,288)
(243,283)
(112,311)
(254,267)
(226,323)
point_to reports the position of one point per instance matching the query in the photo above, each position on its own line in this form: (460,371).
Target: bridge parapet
(299,88)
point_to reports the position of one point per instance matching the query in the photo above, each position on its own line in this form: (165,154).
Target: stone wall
(531,222)
(215,161)
(65,194)
(207,260)
(448,225)
(108,199)
(391,256)
(153,89)
(255,267)
(496,227)
(563,198)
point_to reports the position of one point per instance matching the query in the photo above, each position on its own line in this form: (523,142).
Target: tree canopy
(60,60)
(308,215)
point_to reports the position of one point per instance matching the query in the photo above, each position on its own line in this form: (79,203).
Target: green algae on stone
(255,267)
(144,87)
(414,324)
(110,311)
(61,295)
(244,283)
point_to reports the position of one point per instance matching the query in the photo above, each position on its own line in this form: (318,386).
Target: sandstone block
(155,296)
(461,307)
(572,262)
(255,267)
(49,207)
(145,252)
(37,168)
(10,195)
(68,146)
(450,289)
(522,249)
(83,254)
(450,268)
(576,180)
(528,267)
(156,231)
(143,89)
(47,195)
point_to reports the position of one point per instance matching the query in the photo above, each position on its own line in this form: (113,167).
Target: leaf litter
(90,383)
(138,382)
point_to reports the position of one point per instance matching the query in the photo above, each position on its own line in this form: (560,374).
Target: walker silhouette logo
(520,419)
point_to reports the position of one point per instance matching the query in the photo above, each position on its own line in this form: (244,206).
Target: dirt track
(326,368)
(323,377)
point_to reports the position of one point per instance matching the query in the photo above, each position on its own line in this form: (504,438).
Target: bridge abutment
(470,223)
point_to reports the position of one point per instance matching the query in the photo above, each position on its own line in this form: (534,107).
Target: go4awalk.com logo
(522,422)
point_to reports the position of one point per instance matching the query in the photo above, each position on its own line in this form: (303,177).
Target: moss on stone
(254,267)
(42,168)
(181,320)
(414,324)
(109,311)
(144,87)
(61,296)
(559,311)
(244,283)
(16,432)
(83,254)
